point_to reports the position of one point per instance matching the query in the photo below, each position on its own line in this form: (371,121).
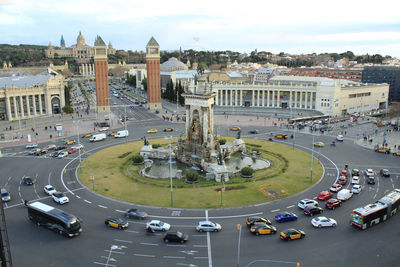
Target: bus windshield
(358,219)
(74,224)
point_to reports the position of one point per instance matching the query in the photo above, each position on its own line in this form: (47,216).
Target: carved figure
(146,143)
(238,134)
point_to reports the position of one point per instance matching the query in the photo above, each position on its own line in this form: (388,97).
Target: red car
(333,203)
(344,173)
(72,150)
(342,180)
(324,195)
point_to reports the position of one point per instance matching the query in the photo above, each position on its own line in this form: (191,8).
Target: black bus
(54,219)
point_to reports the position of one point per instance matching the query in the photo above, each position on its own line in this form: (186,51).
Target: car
(152,131)
(69,142)
(356,189)
(235,129)
(344,173)
(342,180)
(39,151)
(281,136)
(335,188)
(256,220)
(304,203)
(63,154)
(158,225)
(292,234)
(117,223)
(78,146)
(285,217)
(369,172)
(312,211)
(371,180)
(34,151)
(385,172)
(5,195)
(72,150)
(112,133)
(50,147)
(254,131)
(319,144)
(333,203)
(87,135)
(384,150)
(263,229)
(168,129)
(28,180)
(324,195)
(355,172)
(355,180)
(208,226)
(60,147)
(175,237)
(135,213)
(49,189)
(396,154)
(60,198)
(103,129)
(339,138)
(320,222)
(34,145)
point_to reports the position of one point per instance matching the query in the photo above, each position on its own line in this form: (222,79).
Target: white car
(103,129)
(208,226)
(31,146)
(369,172)
(63,154)
(339,137)
(355,180)
(323,222)
(335,188)
(49,189)
(60,197)
(356,189)
(158,225)
(307,203)
(78,146)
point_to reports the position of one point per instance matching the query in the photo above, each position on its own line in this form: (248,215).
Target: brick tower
(101,71)
(153,74)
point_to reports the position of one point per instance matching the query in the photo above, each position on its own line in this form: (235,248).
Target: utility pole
(312,156)
(170,170)
(238,253)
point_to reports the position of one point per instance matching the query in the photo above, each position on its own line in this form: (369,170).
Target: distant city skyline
(295,27)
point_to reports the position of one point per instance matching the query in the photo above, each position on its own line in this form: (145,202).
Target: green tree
(144,83)
(180,92)
(132,80)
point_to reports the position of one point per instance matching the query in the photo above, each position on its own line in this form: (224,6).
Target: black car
(371,180)
(40,151)
(60,147)
(254,132)
(135,213)
(385,173)
(55,154)
(256,221)
(28,180)
(175,237)
(313,211)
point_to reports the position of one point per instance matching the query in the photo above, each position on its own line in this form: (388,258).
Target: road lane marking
(99,263)
(176,245)
(200,235)
(113,251)
(87,201)
(212,217)
(77,196)
(291,206)
(120,211)
(275,210)
(149,244)
(174,257)
(125,241)
(200,246)
(131,231)
(101,206)
(200,258)
(144,255)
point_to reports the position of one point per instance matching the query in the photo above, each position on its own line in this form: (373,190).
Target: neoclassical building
(29,96)
(325,95)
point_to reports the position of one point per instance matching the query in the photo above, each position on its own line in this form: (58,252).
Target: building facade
(27,96)
(101,69)
(153,74)
(328,96)
(384,74)
(353,74)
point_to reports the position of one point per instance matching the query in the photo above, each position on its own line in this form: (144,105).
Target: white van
(97,137)
(124,133)
(344,194)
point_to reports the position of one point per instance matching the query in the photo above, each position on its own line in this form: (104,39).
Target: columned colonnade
(87,69)
(25,106)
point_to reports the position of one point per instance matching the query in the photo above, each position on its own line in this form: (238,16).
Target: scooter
(333,144)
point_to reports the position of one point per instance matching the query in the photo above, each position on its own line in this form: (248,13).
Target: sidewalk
(391,138)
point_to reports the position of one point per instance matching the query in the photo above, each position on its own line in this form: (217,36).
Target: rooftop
(20,80)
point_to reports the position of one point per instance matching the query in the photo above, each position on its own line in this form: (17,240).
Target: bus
(54,219)
(377,212)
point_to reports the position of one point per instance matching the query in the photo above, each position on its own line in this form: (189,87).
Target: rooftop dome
(80,40)
(173,64)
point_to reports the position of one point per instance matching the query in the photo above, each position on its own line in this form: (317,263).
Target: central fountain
(200,149)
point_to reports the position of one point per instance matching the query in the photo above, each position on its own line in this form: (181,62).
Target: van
(97,137)
(344,194)
(124,133)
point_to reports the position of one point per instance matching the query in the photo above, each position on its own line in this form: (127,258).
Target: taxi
(263,229)
(152,131)
(87,135)
(117,223)
(250,221)
(396,154)
(235,129)
(112,134)
(281,136)
(70,142)
(319,144)
(168,130)
(292,234)
(384,150)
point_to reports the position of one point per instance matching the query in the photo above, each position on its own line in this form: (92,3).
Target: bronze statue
(238,134)
(146,143)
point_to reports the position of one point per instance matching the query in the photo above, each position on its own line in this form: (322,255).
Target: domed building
(173,64)
(175,70)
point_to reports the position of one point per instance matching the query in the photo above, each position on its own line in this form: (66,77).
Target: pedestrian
(394,146)
(51,136)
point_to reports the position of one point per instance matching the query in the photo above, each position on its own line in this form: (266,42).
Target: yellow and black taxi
(281,136)
(152,131)
(112,133)
(263,229)
(384,150)
(235,129)
(168,130)
(396,154)
(87,135)
(319,144)
(292,234)
(250,221)
(116,223)
(69,142)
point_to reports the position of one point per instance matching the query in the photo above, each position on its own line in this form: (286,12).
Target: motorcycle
(333,144)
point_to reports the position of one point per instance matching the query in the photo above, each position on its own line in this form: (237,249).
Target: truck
(344,194)
(123,133)
(97,137)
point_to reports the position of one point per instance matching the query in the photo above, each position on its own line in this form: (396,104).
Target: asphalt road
(97,245)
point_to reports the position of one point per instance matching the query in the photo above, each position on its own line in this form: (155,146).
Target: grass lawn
(116,177)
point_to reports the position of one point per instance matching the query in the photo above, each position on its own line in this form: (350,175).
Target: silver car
(208,226)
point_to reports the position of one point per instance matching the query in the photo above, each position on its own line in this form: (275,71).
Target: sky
(296,27)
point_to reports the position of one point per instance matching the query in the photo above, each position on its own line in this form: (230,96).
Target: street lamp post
(312,156)
(238,253)
(170,171)
(222,188)
(79,145)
